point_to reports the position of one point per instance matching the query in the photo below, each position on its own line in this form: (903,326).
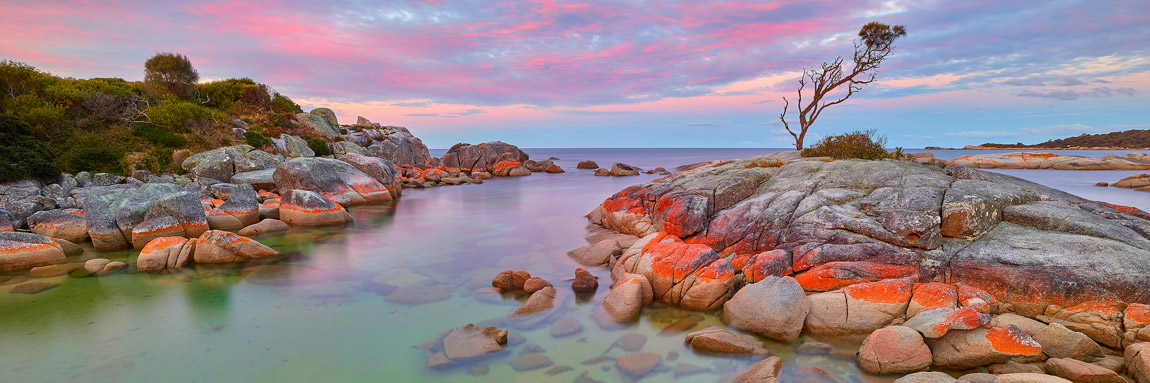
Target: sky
(631,73)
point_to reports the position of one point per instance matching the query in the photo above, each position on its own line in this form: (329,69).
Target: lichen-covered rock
(964,349)
(858,309)
(1060,342)
(894,350)
(495,157)
(291,146)
(337,180)
(623,170)
(164,253)
(23,251)
(1038,160)
(223,163)
(241,209)
(1081,372)
(306,208)
(931,296)
(381,169)
(773,307)
(1101,321)
(936,323)
(846,222)
(1136,322)
(215,246)
(64,224)
(6,221)
(317,123)
(398,145)
(690,276)
(266,226)
(259,179)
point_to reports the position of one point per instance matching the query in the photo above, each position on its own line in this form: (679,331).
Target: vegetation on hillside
(860,144)
(1130,139)
(107,124)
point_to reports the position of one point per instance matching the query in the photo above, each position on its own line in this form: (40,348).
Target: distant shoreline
(1030,148)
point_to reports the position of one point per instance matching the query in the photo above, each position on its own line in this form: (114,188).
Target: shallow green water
(317,316)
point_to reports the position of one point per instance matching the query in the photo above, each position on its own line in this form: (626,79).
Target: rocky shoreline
(948,269)
(1039,160)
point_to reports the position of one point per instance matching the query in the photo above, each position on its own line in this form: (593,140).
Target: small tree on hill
(172,71)
(875,44)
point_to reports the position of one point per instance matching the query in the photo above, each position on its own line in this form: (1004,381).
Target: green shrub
(94,158)
(318,146)
(22,154)
(860,144)
(179,115)
(158,136)
(173,72)
(257,140)
(224,94)
(282,104)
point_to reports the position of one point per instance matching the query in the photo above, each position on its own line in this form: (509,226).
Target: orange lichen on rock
(1011,340)
(976,298)
(935,295)
(964,318)
(678,260)
(888,291)
(834,275)
(719,270)
(1138,312)
(505,164)
(771,263)
(1106,309)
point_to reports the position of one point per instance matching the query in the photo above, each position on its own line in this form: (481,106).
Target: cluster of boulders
(229,194)
(618,169)
(945,268)
(1139,182)
(1038,160)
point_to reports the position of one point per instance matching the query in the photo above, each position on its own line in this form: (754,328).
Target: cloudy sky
(630,74)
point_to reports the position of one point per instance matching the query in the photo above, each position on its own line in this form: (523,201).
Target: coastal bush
(158,136)
(94,157)
(860,144)
(283,104)
(257,140)
(172,72)
(319,146)
(22,154)
(180,116)
(771,163)
(225,94)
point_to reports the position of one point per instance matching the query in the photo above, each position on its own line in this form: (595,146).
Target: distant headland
(1134,139)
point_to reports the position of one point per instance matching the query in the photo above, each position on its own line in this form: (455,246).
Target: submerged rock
(720,341)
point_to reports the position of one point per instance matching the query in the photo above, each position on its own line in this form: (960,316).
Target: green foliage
(319,146)
(1129,139)
(180,115)
(22,155)
(225,94)
(283,104)
(158,135)
(860,144)
(257,140)
(173,72)
(879,35)
(94,157)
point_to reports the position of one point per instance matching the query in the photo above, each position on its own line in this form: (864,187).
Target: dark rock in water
(397,145)
(602,172)
(534,284)
(558,370)
(419,294)
(566,327)
(681,325)
(686,369)
(637,364)
(584,282)
(720,341)
(850,221)
(598,359)
(588,164)
(529,362)
(466,343)
(33,287)
(623,170)
(813,348)
(584,378)
(631,342)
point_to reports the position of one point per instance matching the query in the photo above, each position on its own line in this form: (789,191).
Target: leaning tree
(875,44)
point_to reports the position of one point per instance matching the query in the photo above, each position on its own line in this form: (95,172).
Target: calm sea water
(320,315)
